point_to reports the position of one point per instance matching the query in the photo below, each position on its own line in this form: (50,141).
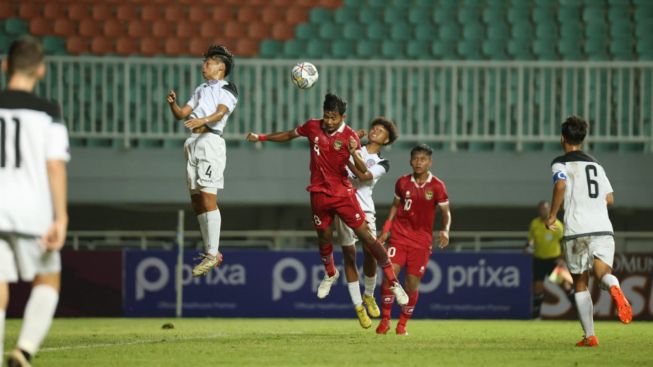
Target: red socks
(387,299)
(407,310)
(326,251)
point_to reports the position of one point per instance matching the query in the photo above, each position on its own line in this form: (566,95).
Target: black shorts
(542,268)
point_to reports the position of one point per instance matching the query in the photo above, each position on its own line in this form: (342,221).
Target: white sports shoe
(326,283)
(400,294)
(206,264)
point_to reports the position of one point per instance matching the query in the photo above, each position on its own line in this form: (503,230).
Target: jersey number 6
(592,185)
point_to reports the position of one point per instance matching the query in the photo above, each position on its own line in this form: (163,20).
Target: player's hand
(55,237)
(172,97)
(550,223)
(361,133)
(353,145)
(193,123)
(444,238)
(251,137)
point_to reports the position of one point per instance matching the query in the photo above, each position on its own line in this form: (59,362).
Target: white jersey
(31,133)
(586,209)
(208,96)
(377,166)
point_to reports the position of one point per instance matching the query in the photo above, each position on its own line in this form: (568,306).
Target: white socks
(39,312)
(355,293)
(2,334)
(608,281)
(210,223)
(585,311)
(370,284)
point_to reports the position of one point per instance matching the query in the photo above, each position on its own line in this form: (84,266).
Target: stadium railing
(517,105)
(288,239)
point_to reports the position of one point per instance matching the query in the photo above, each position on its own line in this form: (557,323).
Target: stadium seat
(102,45)
(444,15)
(522,31)
(139,29)
(233,29)
(162,28)
(330,31)
(367,49)
(54,45)
(185,29)
(425,31)
(352,31)
(53,10)
(418,49)
(126,12)
(520,49)
(498,31)
(258,30)
(113,28)
(272,14)
(470,49)
(153,12)
(270,49)
(282,31)
(316,49)
(449,31)
(444,49)
(395,15)
(101,12)
(343,49)
(296,15)
(495,49)
(346,15)
(377,31)
(400,31)
(248,14)
(8,9)
(64,27)
(393,49)
(198,14)
(293,49)
(419,16)
(319,15)
(246,47)
(306,31)
(40,26)
(28,10)
(150,46)
(473,31)
(77,45)
(127,46)
(78,11)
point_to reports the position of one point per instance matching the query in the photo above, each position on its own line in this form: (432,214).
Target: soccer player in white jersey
(208,110)
(382,132)
(33,213)
(582,184)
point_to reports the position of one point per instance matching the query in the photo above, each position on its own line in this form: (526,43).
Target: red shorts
(325,207)
(412,258)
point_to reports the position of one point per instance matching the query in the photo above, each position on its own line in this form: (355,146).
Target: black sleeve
(385,164)
(231,88)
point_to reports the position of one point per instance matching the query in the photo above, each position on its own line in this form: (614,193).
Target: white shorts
(580,252)
(206,158)
(26,257)
(345,236)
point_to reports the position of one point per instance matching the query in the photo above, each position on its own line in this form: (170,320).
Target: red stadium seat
(186,29)
(283,3)
(198,13)
(296,15)
(101,12)
(53,10)
(273,14)
(162,28)
(176,46)
(221,13)
(209,29)
(283,31)
(89,28)
(78,11)
(127,46)
(151,12)
(102,45)
(64,27)
(8,9)
(40,27)
(114,28)
(197,46)
(329,4)
(246,47)
(77,45)
(248,14)
(230,30)
(174,13)
(29,10)
(150,46)
(126,12)
(139,29)
(258,31)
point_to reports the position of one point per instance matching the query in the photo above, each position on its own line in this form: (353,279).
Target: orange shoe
(401,329)
(624,311)
(592,341)
(383,327)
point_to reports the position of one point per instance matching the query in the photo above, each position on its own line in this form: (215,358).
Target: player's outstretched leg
(610,283)
(369,268)
(210,222)
(331,273)
(387,299)
(407,313)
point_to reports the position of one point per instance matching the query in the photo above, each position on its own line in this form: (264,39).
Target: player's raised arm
(178,112)
(446,224)
(278,137)
(359,164)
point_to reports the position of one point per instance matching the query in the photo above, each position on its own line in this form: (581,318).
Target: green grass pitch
(335,343)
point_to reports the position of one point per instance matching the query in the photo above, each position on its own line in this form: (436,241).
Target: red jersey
(329,157)
(413,224)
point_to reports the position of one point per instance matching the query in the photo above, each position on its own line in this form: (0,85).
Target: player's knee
(349,255)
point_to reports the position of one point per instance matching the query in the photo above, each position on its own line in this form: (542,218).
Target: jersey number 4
(592,185)
(3,141)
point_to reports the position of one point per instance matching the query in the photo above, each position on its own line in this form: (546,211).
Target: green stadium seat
(621,49)
(5,41)
(316,49)
(320,15)
(377,3)
(596,48)
(571,31)
(393,50)
(498,31)
(619,14)
(395,15)
(543,15)
(377,31)
(643,14)
(594,15)
(367,49)
(570,50)
(546,31)
(345,15)
(473,31)
(520,49)
(306,31)
(425,31)
(644,49)
(419,15)
(493,15)
(270,49)
(495,49)
(330,31)
(621,30)
(469,15)
(444,49)
(543,49)
(450,31)
(343,49)
(15,26)
(418,49)
(54,45)
(369,15)
(571,3)
(444,15)
(518,15)
(470,49)
(596,29)
(522,30)
(352,31)
(400,31)
(293,49)
(569,14)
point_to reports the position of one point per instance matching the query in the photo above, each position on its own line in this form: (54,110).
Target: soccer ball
(304,75)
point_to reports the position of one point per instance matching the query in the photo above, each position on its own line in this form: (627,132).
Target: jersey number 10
(592,185)
(3,142)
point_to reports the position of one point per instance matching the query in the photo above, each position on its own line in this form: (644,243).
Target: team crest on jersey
(337,145)
(370,163)
(428,195)
(407,194)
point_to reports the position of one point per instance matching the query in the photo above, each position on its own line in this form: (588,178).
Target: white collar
(412,178)
(339,130)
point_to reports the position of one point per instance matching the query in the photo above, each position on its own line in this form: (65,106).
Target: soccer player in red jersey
(332,142)
(410,222)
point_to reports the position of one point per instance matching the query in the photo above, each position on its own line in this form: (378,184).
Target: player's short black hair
(222,53)
(25,55)
(333,102)
(387,124)
(574,130)
(422,148)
